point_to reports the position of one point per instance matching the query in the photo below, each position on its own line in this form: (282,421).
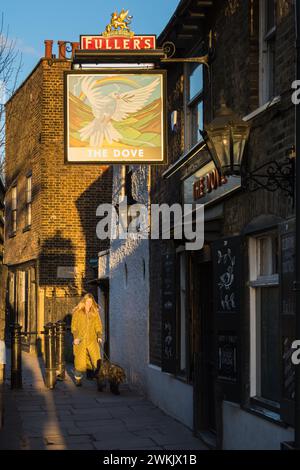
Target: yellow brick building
(50,233)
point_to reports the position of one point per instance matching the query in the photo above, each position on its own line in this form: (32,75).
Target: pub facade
(222,319)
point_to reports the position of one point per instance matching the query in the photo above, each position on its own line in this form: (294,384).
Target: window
(194,104)
(265,320)
(28,200)
(267,50)
(14,209)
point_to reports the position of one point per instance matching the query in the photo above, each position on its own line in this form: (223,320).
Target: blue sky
(31,22)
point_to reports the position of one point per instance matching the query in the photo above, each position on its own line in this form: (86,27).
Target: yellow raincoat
(87,328)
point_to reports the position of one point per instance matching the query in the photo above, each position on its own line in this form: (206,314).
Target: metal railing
(54,340)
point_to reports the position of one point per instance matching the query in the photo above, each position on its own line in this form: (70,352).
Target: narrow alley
(73,418)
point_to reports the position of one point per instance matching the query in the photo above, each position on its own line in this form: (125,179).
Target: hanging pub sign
(115,117)
(112,115)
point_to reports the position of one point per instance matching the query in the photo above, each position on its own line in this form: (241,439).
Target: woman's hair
(81,305)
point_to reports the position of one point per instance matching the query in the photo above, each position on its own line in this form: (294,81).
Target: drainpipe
(297,283)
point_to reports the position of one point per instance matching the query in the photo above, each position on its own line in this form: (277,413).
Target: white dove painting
(115,118)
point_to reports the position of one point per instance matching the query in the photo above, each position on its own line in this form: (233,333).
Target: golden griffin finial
(119,24)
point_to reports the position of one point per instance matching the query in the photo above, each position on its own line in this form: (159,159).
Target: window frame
(267,38)
(14,209)
(191,104)
(28,201)
(257,281)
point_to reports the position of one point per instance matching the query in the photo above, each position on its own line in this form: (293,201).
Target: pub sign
(116,114)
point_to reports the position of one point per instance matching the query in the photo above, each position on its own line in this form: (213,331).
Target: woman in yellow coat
(86,328)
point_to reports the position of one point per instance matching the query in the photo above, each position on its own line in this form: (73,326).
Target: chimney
(48,48)
(62,49)
(75,45)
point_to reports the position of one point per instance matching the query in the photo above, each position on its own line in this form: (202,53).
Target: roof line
(181,7)
(24,81)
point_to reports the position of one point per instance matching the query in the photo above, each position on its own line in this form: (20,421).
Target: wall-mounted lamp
(226,137)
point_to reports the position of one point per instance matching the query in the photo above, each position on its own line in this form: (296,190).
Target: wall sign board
(228,291)
(117,43)
(169,312)
(227,357)
(206,185)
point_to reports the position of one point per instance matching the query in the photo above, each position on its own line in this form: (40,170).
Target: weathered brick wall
(169,192)
(272,133)
(23,150)
(71,193)
(235,72)
(65,196)
(3,276)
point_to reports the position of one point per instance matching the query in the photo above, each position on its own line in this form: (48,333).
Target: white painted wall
(129,314)
(171,395)
(129,292)
(246,431)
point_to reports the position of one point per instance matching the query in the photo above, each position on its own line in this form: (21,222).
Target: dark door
(204,365)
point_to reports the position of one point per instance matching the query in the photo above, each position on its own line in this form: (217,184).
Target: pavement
(81,418)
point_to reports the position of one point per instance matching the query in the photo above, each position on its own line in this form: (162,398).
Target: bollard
(60,349)
(50,358)
(16,356)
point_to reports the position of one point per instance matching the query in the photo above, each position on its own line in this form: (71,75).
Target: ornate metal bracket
(169,49)
(271,176)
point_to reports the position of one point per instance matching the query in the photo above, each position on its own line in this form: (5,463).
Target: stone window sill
(260,411)
(26,229)
(12,235)
(262,108)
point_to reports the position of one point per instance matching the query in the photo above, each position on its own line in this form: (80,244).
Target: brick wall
(164,191)
(65,196)
(235,71)
(23,154)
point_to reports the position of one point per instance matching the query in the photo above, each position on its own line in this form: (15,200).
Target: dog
(113,373)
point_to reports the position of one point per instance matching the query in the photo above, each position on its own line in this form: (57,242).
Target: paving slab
(81,418)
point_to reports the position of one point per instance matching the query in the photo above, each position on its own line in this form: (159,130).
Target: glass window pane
(197,122)
(271,69)
(29,189)
(14,198)
(196,81)
(270,15)
(270,344)
(268,255)
(28,214)
(14,221)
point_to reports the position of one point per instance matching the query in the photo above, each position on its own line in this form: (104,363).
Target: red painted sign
(206,184)
(114,43)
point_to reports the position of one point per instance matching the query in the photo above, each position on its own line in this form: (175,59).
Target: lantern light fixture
(226,138)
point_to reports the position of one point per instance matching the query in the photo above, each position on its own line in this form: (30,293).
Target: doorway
(205,349)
